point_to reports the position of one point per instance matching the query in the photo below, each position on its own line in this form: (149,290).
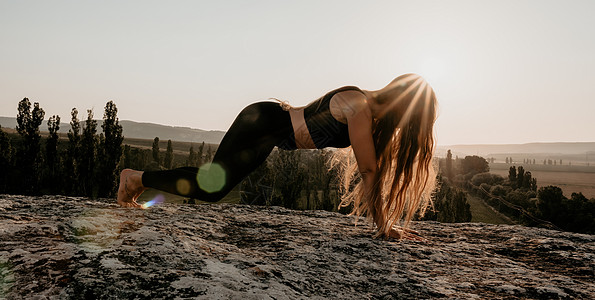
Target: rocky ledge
(57,247)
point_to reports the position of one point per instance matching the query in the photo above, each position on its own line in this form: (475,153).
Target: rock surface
(57,247)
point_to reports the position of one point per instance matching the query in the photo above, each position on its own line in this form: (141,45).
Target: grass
(482,213)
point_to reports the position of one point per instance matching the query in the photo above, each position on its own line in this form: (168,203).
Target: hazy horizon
(505,72)
(64,123)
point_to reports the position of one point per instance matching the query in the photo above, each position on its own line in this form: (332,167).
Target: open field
(567,179)
(178,147)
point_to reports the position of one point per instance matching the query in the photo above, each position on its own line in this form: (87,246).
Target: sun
(433,70)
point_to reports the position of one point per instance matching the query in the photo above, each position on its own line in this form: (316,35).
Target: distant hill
(143,131)
(567,153)
(529,148)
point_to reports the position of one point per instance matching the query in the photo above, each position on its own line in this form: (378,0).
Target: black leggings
(255,132)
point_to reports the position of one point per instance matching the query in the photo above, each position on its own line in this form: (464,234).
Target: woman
(389,130)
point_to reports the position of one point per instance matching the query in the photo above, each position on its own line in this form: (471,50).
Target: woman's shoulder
(348,102)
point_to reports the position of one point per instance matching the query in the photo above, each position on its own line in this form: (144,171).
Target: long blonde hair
(404,140)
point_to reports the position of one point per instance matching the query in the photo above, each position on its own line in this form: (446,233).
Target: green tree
(88,153)
(169,156)
(155,150)
(289,177)
(458,208)
(140,159)
(257,188)
(528,180)
(30,159)
(52,160)
(328,179)
(111,150)
(126,157)
(201,154)
(512,175)
(574,214)
(487,178)
(209,154)
(549,202)
(192,160)
(450,205)
(520,177)
(475,164)
(579,214)
(5,160)
(449,170)
(72,158)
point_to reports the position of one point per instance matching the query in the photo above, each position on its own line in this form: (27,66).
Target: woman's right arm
(362,142)
(359,123)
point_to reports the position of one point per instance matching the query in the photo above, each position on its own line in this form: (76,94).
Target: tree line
(87,165)
(518,197)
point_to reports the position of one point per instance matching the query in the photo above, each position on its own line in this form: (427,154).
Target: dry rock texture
(57,247)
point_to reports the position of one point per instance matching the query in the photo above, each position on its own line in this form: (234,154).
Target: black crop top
(325,130)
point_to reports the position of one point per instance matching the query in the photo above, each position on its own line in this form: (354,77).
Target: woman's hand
(401,233)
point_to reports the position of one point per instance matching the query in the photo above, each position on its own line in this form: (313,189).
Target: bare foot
(131,187)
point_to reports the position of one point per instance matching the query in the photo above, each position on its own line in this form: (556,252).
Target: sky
(503,71)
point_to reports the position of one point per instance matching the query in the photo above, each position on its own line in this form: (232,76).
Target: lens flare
(211,177)
(158,199)
(183,186)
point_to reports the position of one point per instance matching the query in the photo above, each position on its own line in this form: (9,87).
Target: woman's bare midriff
(303,140)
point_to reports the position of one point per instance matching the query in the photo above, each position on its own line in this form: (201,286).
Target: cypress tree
(209,155)
(51,154)
(5,160)
(169,156)
(512,174)
(155,150)
(527,180)
(200,154)
(29,159)
(192,157)
(520,176)
(88,154)
(449,170)
(71,160)
(111,150)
